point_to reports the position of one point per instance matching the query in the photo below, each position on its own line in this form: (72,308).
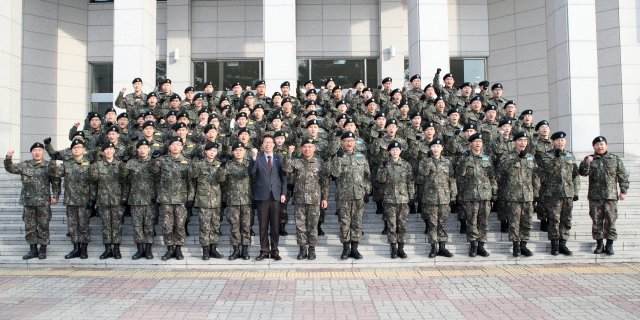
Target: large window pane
(161,70)
(102,78)
(198,74)
(457,68)
(343,72)
(101,107)
(372,73)
(474,70)
(213,73)
(303,71)
(244,71)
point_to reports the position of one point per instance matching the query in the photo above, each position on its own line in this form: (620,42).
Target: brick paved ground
(595,291)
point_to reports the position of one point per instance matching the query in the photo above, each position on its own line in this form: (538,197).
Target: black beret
(286,100)
(436,141)
(390,122)
(358,81)
(208,127)
(558,135)
(148,124)
(308,82)
(347,134)
(258,106)
(279,133)
(36,145)
(453,110)
(505,121)
(599,139)
(208,83)
(379,114)
(490,107)
(143,142)
(241,115)
(198,95)
(415,76)
(339,102)
(285,84)
(520,134)
(259,82)
(76,142)
(79,133)
(203,111)
(310,103)
(312,122)
(311,113)
(428,86)
(428,124)
(341,116)
(136,80)
(542,123)
(276,94)
(448,75)
(394,144)
(243,130)
(349,120)
(367,89)
(394,91)
(470,126)
(225,98)
(526,112)
(174,96)
(112,109)
(249,94)
(307,141)
(414,114)
(211,145)
(336,88)
(114,129)
(237,83)
(179,125)
(310,91)
(151,94)
(465,84)
(278,115)
(189,88)
(107,145)
(496,86)
(438,98)
(122,115)
(328,80)
(476,98)
(163,81)
(182,115)
(173,139)
(403,102)
(387,79)
(370,101)
(171,113)
(509,102)
(237,145)
(484,83)
(92,115)
(475,136)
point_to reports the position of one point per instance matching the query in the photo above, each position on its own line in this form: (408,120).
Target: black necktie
(269,164)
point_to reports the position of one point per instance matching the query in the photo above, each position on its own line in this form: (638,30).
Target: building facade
(574,62)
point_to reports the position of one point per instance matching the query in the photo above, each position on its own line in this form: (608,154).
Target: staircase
(373,246)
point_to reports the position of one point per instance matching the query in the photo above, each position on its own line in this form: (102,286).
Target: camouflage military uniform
(208,199)
(521,185)
(477,187)
(35,196)
(141,189)
(606,172)
(563,184)
(239,198)
(542,146)
(109,198)
(396,179)
(353,183)
(134,104)
(439,190)
(311,186)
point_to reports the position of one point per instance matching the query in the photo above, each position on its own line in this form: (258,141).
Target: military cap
(182,115)
(520,134)
(484,83)
(76,142)
(403,102)
(277,115)
(276,94)
(505,121)
(307,141)
(198,95)
(558,135)
(286,100)
(393,144)
(241,115)
(179,125)
(174,96)
(243,130)
(465,84)
(436,141)
(151,94)
(173,139)
(370,101)
(211,145)
(414,114)
(237,145)
(428,124)
(279,133)
(311,113)
(387,79)
(430,85)
(342,116)
(357,82)
(394,91)
(326,82)
(509,102)
(143,142)
(599,139)
(367,89)
(470,126)
(189,88)
(136,80)
(310,91)
(148,124)
(237,83)
(36,145)
(526,112)
(336,88)
(347,134)
(208,127)
(308,82)
(79,133)
(225,98)
(114,129)
(310,103)
(448,75)
(107,145)
(143,114)
(92,115)
(496,85)
(379,114)
(122,115)
(415,76)
(349,120)
(438,98)
(390,122)
(163,81)
(339,102)
(258,106)
(207,83)
(490,107)
(171,113)
(475,136)
(475,98)
(203,110)
(453,110)
(259,82)
(249,94)
(542,123)
(285,84)
(112,109)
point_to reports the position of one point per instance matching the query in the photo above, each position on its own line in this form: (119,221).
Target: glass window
(101,107)
(304,73)
(372,73)
(101,78)
(468,70)
(161,70)
(224,73)
(198,74)
(213,73)
(344,71)
(406,69)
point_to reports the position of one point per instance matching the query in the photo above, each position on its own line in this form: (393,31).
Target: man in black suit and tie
(269,188)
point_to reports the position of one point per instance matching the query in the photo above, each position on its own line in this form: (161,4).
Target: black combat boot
(320,231)
(312,253)
(554,247)
(599,247)
(354,250)
(83,251)
(245,252)
(205,253)
(504,226)
(43,252)
(608,249)
(107,252)
(419,210)
(235,254)
(394,250)
(148,254)
(33,252)
(544,223)
(379,208)
(412,208)
(140,253)
(442,250)
(481,251)
(524,250)
(346,251)
(463,226)
(186,225)
(426,228)
(303,253)
(116,251)
(401,252)
(516,249)
(178,251)
(213,252)
(562,248)
(473,248)
(74,253)
(171,253)
(386,228)
(434,250)
(283,232)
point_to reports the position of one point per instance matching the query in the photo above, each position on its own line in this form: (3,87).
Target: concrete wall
(468,28)
(10,86)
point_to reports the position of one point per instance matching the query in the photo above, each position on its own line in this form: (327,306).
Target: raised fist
(47,141)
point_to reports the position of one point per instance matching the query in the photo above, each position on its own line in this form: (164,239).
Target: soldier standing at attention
(518,169)
(563,184)
(606,172)
(110,199)
(396,178)
(310,194)
(175,194)
(78,197)
(353,184)
(208,175)
(36,197)
(141,197)
(239,199)
(478,189)
(438,191)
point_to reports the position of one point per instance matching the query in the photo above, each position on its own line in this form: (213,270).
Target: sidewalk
(585,291)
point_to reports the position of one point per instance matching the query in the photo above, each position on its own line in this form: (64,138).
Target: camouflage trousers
(209,226)
(520,215)
(307,216)
(351,216)
(542,208)
(142,219)
(477,213)
(397,215)
(173,219)
(78,224)
(284,216)
(36,224)
(559,218)
(604,214)
(436,216)
(239,218)
(111,217)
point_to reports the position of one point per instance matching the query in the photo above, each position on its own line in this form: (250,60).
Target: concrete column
(10,82)
(179,44)
(279,25)
(134,44)
(428,37)
(573,71)
(391,37)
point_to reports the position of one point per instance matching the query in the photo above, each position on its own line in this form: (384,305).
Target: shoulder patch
(156,144)
(569,155)
(86,163)
(359,155)
(530,158)
(184,161)
(485,158)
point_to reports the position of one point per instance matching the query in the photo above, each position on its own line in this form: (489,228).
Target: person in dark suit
(269,188)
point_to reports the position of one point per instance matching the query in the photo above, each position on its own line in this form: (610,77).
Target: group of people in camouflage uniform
(431,150)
